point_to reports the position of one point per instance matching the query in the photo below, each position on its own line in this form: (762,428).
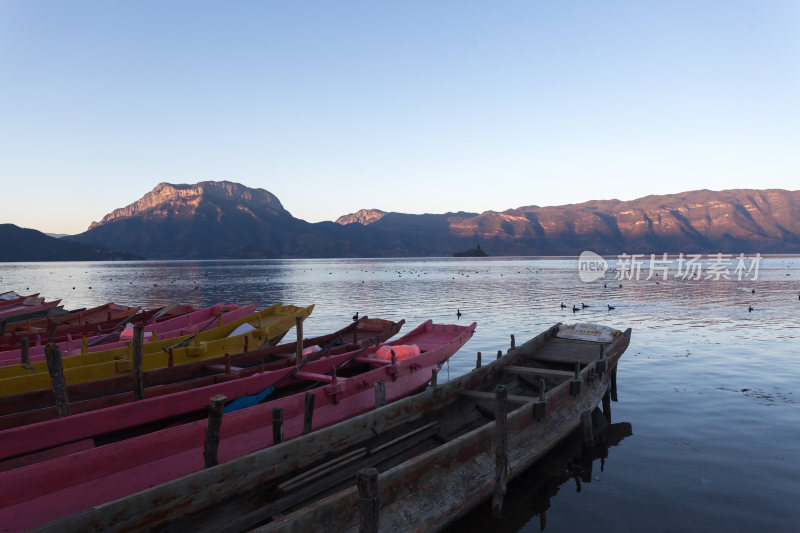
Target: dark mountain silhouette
(228,220)
(23,244)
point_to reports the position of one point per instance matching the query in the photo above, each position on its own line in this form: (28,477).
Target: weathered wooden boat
(72,322)
(267,326)
(38,406)
(439,453)
(12,298)
(175,326)
(28,308)
(31,495)
(571,462)
(101,320)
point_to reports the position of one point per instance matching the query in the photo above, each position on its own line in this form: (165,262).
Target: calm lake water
(710,389)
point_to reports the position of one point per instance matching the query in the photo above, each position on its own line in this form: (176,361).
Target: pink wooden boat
(28,305)
(175,327)
(38,493)
(12,298)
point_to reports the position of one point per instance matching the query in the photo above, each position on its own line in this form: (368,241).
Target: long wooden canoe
(270,325)
(34,494)
(28,307)
(14,299)
(70,322)
(38,406)
(176,326)
(86,323)
(435,452)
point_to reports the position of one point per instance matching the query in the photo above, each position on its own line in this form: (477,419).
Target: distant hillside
(22,244)
(229,220)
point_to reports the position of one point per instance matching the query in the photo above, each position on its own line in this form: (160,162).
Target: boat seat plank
(479,395)
(567,351)
(539,371)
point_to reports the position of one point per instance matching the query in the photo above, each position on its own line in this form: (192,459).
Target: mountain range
(221,219)
(24,244)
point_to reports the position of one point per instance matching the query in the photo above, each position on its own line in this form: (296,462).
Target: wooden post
(56,369)
(138,347)
(394,358)
(277,425)
(607,403)
(52,330)
(309,414)
(540,407)
(499,354)
(299,326)
(613,377)
(434,371)
(500,453)
(575,384)
(600,365)
(25,354)
(380,394)
(367,480)
(170,359)
(478,363)
(513,342)
(227,363)
(586,426)
(215,406)
(3,327)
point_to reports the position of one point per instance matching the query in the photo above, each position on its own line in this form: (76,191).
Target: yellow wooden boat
(270,325)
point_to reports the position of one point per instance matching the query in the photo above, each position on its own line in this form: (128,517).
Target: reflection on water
(570,465)
(711,387)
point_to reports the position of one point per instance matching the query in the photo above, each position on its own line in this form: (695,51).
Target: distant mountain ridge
(229,220)
(24,244)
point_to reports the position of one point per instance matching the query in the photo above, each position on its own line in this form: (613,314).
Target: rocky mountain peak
(362,216)
(176,199)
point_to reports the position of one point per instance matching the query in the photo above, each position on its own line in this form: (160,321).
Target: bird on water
(575,308)
(610,307)
(355,316)
(583,305)
(458,313)
(750,309)
(563,306)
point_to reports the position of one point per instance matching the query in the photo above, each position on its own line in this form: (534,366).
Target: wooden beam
(479,395)
(538,371)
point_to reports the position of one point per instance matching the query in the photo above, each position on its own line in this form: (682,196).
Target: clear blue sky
(412,106)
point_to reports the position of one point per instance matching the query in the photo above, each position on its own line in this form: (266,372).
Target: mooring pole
(309,412)
(56,369)
(299,326)
(501,452)
(24,349)
(138,347)
(215,406)
(367,480)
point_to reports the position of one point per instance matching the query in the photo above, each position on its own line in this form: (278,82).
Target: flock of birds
(575,308)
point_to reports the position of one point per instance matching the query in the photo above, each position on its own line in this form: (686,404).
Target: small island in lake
(472,252)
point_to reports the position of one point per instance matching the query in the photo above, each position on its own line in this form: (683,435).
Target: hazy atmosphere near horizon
(407,106)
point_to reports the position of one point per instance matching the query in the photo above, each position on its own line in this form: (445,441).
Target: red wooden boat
(36,494)
(27,306)
(181,325)
(37,406)
(13,298)
(76,323)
